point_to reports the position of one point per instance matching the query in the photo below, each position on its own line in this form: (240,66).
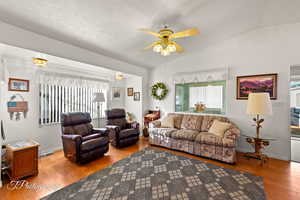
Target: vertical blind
(57,99)
(59,94)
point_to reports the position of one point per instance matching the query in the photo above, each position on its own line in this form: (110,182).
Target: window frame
(211,110)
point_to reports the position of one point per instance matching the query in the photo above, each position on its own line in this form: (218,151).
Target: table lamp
(99,99)
(259,104)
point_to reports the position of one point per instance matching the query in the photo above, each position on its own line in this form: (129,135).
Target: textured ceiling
(110,27)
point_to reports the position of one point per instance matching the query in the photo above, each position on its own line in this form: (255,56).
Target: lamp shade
(99,97)
(259,104)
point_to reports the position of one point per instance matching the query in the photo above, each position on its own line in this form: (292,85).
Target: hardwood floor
(281,178)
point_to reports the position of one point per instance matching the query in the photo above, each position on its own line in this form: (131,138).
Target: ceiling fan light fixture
(171,48)
(157,48)
(119,76)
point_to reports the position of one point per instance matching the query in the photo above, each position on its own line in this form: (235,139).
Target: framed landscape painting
(257,83)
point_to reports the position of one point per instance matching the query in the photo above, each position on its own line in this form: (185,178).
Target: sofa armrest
(155,124)
(232,133)
(102,131)
(71,145)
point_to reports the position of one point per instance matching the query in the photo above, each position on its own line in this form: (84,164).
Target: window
(211,94)
(57,99)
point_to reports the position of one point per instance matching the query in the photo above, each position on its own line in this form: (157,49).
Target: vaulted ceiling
(110,27)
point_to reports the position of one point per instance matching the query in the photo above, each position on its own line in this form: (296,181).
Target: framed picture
(256,83)
(116,93)
(129,92)
(136,96)
(19,85)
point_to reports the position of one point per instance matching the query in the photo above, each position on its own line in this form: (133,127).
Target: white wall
(117,103)
(132,106)
(266,50)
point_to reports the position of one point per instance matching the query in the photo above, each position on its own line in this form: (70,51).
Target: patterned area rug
(155,174)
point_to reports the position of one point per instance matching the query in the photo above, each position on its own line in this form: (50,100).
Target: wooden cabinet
(22,158)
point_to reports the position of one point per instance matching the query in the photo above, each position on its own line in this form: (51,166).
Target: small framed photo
(136,96)
(18,85)
(129,92)
(116,93)
(256,83)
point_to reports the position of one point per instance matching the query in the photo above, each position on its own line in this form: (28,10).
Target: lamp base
(258,145)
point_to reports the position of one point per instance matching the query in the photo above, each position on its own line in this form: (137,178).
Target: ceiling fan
(165,46)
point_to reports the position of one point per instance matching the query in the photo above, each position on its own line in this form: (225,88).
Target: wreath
(156,87)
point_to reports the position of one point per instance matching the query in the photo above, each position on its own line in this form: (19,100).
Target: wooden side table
(151,116)
(22,159)
(258,144)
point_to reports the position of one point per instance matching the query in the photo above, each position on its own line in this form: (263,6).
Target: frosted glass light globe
(171,48)
(165,52)
(157,48)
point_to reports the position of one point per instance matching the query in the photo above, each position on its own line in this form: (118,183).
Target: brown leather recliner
(81,142)
(121,133)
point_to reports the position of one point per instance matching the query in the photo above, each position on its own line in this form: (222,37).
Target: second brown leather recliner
(121,133)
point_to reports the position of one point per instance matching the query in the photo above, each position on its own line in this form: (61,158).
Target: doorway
(294,91)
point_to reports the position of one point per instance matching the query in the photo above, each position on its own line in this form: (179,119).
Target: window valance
(201,76)
(71,80)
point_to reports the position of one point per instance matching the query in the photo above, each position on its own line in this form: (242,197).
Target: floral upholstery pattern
(184,134)
(209,138)
(191,122)
(193,137)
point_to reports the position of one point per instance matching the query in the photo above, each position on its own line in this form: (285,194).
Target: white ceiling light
(40,62)
(119,76)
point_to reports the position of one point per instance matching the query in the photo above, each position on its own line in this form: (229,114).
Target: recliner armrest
(102,131)
(134,125)
(76,138)
(71,145)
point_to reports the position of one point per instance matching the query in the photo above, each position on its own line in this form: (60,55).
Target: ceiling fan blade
(186,33)
(150,32)
(179,48)
(151,45)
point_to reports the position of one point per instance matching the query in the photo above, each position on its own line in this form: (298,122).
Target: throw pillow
(167,122)
(219,128)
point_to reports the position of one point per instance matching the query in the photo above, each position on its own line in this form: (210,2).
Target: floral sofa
(190,134)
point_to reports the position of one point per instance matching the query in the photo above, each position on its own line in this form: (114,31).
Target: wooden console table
(22,159)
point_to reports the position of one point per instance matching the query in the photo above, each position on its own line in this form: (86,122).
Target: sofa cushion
(128,133)
(211,139)
(93,143)
(167,122)
(191,122)
(208,121)
(219,128)
(184,134)
(177,119)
